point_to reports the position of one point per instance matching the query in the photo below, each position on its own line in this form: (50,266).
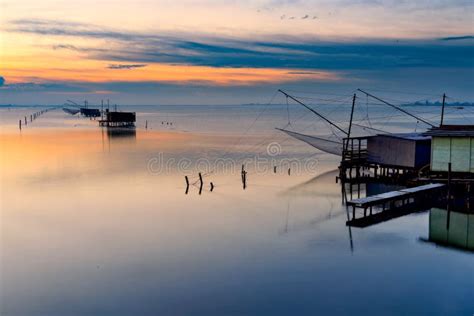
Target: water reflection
(121,133)
(451,229)
(88,231)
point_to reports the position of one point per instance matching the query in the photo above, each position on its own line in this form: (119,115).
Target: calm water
(95,222)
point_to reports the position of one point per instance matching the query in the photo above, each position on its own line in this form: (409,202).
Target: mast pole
(352,115)
(350,121)
(321,116)
(442,110)
(396,107)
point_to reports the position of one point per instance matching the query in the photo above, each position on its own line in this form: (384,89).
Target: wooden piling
(448,197)
(201,183)
(19,123)
(244,177)
(212,186)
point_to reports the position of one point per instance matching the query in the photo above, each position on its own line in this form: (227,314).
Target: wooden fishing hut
(404,150)
(452,144)
(386,154)
(90,112)
(118,119)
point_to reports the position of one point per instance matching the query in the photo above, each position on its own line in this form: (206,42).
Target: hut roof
(408,136)
(451,131)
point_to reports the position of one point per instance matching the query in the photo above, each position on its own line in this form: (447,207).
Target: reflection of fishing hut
(451,229)
(118,119)
(121,133)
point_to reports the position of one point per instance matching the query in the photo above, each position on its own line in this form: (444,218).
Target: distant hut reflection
(121,133)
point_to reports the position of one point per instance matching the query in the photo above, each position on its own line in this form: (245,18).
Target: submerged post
(442,110)
(244,177)
(200,180)
(449,196)
(187,184)
(19,123)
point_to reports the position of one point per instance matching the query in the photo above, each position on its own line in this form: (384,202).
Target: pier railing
(354,149)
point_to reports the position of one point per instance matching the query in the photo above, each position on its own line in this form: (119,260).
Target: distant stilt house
(118,119)
(452,144)
(90,112)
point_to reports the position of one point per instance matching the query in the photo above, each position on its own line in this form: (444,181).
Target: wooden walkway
(390,202)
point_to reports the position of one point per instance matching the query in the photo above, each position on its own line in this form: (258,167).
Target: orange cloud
(97,71)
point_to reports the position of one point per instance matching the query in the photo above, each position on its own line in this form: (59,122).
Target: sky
(231,52)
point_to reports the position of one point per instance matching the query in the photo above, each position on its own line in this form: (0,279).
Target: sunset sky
(230,52)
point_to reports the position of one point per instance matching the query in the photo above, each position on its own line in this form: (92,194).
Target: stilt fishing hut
(118,119)
(405,150)
(90,112)
(452,144)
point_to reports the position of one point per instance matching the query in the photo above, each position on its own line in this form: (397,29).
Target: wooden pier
(392,204)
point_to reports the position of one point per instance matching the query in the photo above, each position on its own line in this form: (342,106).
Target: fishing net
(325,144)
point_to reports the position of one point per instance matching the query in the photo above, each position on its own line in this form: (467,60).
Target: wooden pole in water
(200,179)
(187,184)
(244,177)
(212,186)
(146,124)
(449,196)
(442,110)
(19,123)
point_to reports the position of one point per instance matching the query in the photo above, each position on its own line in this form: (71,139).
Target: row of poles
(33,117)
(201,184)
(243,177)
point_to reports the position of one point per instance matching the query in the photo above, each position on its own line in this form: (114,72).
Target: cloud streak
(293,53)
(126,66)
